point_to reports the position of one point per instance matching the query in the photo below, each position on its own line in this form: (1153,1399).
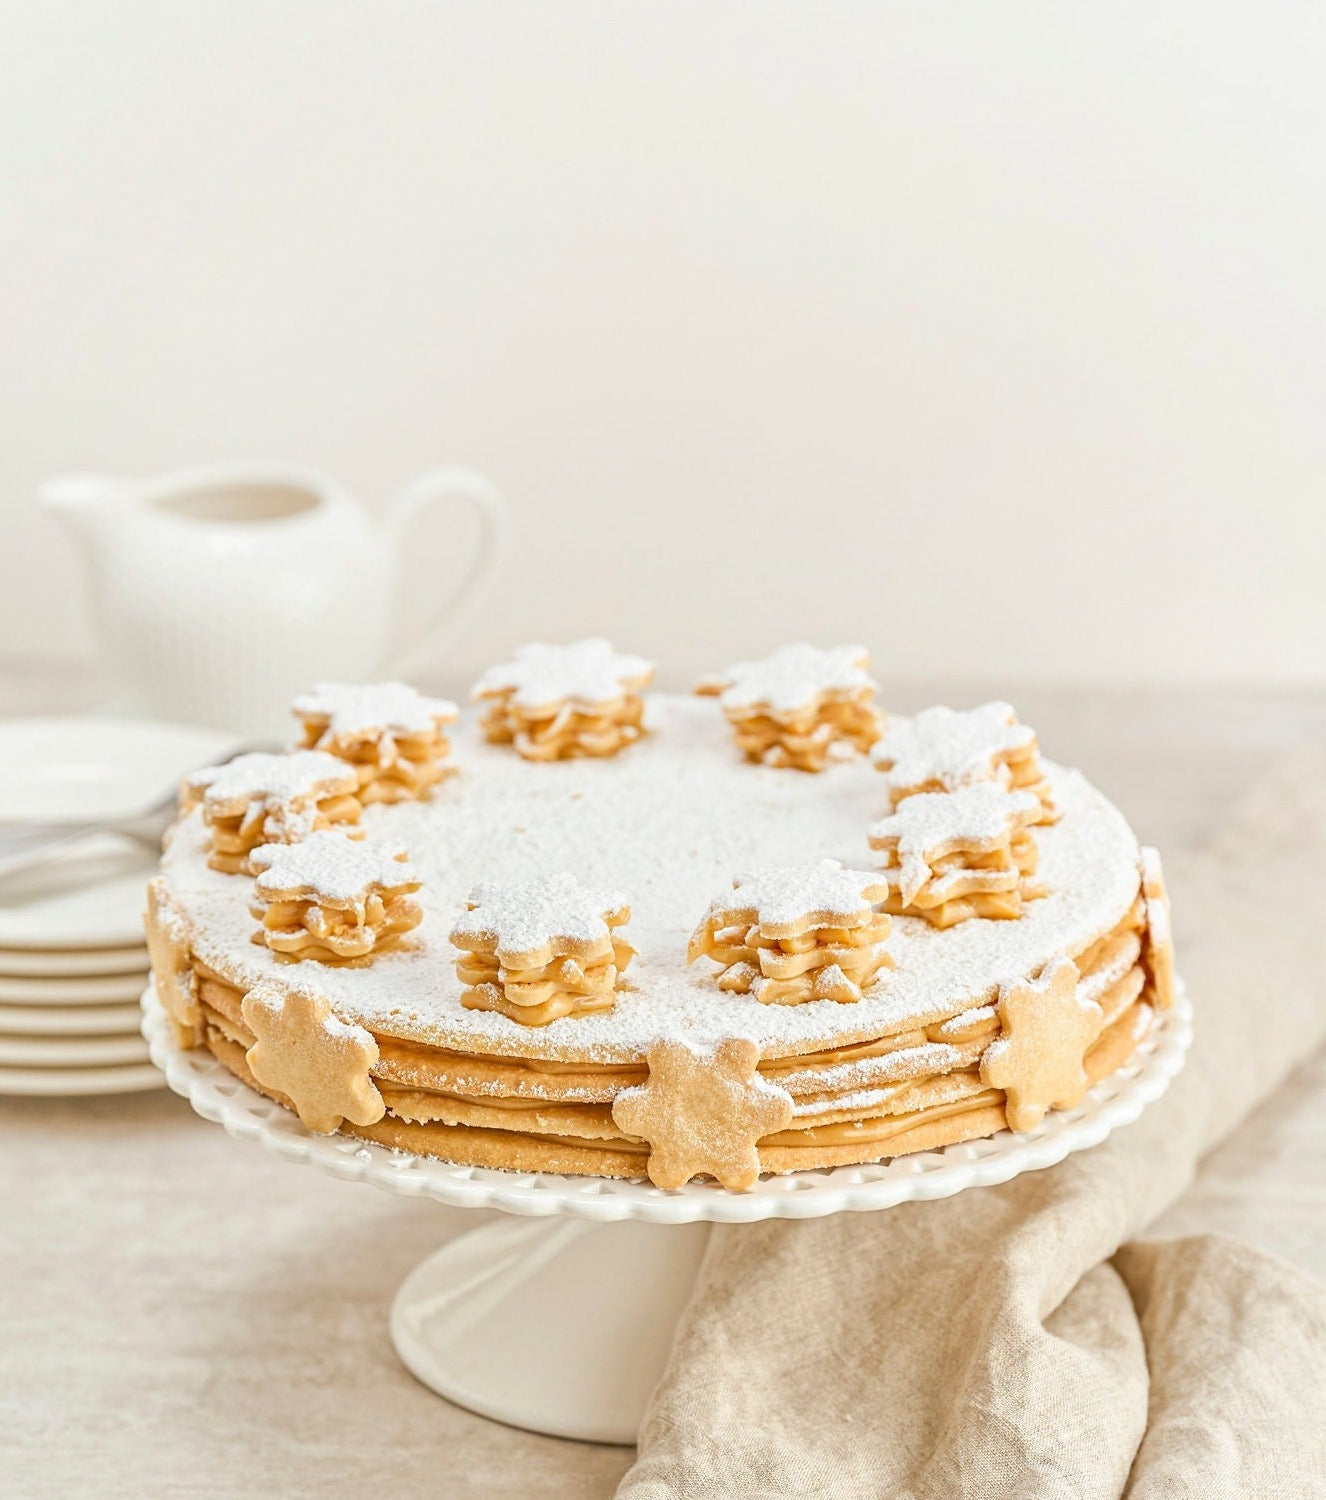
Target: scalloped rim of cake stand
(217,1095)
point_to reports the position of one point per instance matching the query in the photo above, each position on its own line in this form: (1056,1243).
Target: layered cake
(598,931)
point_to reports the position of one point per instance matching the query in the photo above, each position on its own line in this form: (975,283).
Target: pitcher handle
(442,487)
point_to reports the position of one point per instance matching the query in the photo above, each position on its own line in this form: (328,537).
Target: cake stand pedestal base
(558,1325)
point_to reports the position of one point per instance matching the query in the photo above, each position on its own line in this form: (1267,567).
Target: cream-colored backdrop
(993,335)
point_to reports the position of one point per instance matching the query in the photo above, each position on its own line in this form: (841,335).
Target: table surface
(187,1315)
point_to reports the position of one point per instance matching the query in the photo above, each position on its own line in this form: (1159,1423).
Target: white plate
(36,963)
(72,1020)
(71,1052)
(89,989)
(88,896)
(72,1082)
(76,770)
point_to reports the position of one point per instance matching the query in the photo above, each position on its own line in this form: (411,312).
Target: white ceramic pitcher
(222,592)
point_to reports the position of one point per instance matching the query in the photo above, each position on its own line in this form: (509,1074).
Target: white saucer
(71,1082)
(72,1020)
(71,1052)
(92,989)
(38,963)
(94,770)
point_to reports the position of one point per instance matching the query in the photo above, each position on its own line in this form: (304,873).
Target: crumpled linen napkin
(1018,1340)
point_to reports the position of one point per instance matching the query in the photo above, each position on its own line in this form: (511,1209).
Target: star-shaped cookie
(787,901)
(941,749)
(976,819)
(585,674)
(1045,1032)
(172,967)
(793,677)
(1158,952)
(280,787)
(330,867)
(319,1062)
(379,712)
(552,916)
(703,1112)
(800,707)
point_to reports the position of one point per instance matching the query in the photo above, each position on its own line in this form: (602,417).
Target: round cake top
(669,822)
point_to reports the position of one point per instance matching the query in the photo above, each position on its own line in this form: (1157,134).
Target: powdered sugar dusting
(950,747)
(902,1066)
(939,1091)
(795,676)
(667,825)
(586,674)
(859,1099)
(330,865)
(353,709)
(1093,986)
(959,1024)
(348,1031)
(169,918)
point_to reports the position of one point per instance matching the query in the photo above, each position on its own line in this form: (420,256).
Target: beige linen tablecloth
(1011,1341)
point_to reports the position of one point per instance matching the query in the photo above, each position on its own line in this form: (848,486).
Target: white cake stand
(560,1319)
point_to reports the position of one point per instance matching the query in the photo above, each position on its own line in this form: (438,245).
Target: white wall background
(994,335)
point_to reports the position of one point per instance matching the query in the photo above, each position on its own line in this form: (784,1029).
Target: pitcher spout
(84,502)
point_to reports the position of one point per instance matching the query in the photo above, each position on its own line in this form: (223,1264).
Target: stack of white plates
(73,960)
